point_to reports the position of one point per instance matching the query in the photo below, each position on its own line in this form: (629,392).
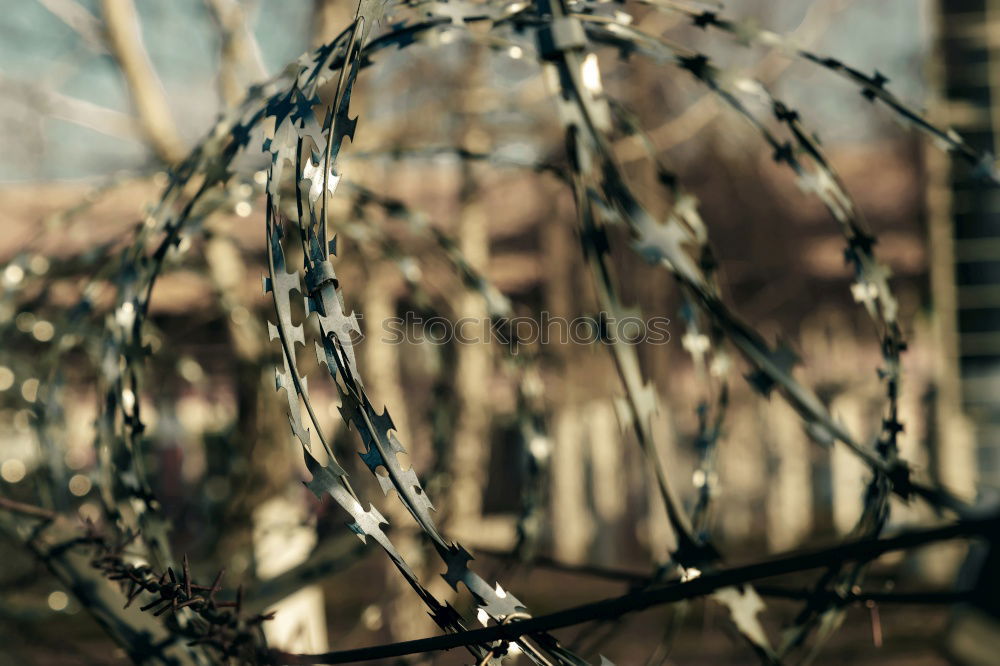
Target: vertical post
(470,454)
(473,373)
(283,539)
(572,526)
(789,502)
(607,474)
(849,475)
(742,470)
(406,616)
(655,531)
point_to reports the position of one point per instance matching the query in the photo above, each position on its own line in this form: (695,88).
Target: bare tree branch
(241,62)
(124,36)
(53,104)
(80,20)
(26,509)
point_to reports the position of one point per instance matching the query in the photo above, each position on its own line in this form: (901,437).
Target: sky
(40,55)
(39,52)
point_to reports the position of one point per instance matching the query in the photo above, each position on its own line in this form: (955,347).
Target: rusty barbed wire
(219,625)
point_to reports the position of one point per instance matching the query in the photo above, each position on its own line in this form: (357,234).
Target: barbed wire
(862,549)
(565,35)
